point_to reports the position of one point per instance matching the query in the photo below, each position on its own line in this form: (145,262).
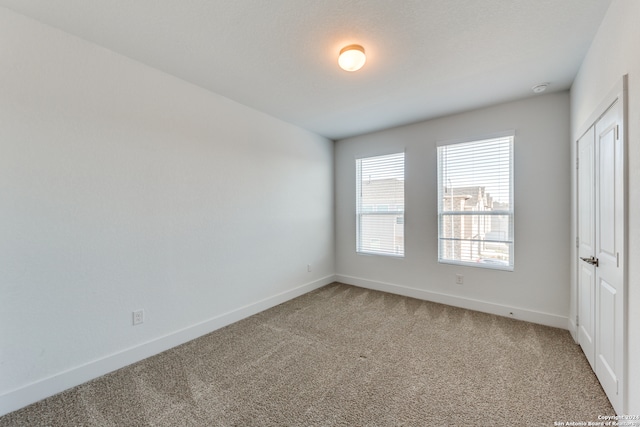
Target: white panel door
(609,245)
(586,245)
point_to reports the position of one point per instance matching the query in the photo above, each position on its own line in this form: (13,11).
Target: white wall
(124,188)
(613,53)
(538,288)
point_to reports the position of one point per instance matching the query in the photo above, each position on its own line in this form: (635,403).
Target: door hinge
(617,132)
(617,259)
(577,162)
(577,320)
(577,242)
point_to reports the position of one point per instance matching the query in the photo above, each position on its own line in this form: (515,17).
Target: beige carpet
(343,355)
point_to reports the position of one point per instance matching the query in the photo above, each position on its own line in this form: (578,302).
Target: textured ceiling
(425,58)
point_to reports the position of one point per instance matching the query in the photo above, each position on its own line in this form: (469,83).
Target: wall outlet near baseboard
(138,317)
(309,268)
(459,279)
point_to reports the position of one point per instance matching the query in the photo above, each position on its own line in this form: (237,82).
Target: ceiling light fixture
(540,88)
(352,57)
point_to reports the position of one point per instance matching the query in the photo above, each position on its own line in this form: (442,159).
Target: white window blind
(475,203)
(380,205)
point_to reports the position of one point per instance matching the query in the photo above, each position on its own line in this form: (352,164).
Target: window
(475,203)
(380,205)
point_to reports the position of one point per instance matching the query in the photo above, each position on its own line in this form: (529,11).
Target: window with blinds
(475,203)
(380,205)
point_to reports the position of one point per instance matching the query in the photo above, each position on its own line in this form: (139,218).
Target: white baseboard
(31,393)
(456,301)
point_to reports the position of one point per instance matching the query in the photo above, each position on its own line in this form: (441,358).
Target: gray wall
(123,188)
(538,288)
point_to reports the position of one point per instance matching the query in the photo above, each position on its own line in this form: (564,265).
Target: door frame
(620,93)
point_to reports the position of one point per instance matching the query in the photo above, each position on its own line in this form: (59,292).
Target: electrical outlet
(138,317)
(459,279)
(309,268)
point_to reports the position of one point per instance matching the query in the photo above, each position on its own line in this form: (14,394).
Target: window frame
(509,212)
(392,208)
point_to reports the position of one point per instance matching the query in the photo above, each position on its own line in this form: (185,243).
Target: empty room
(340,212)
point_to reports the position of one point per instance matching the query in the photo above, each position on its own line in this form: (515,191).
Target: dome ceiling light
(352,57)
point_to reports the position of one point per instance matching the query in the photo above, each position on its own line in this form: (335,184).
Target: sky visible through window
(383,167)
(483,163)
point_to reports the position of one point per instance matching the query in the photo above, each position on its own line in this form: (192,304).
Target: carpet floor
(345,356)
